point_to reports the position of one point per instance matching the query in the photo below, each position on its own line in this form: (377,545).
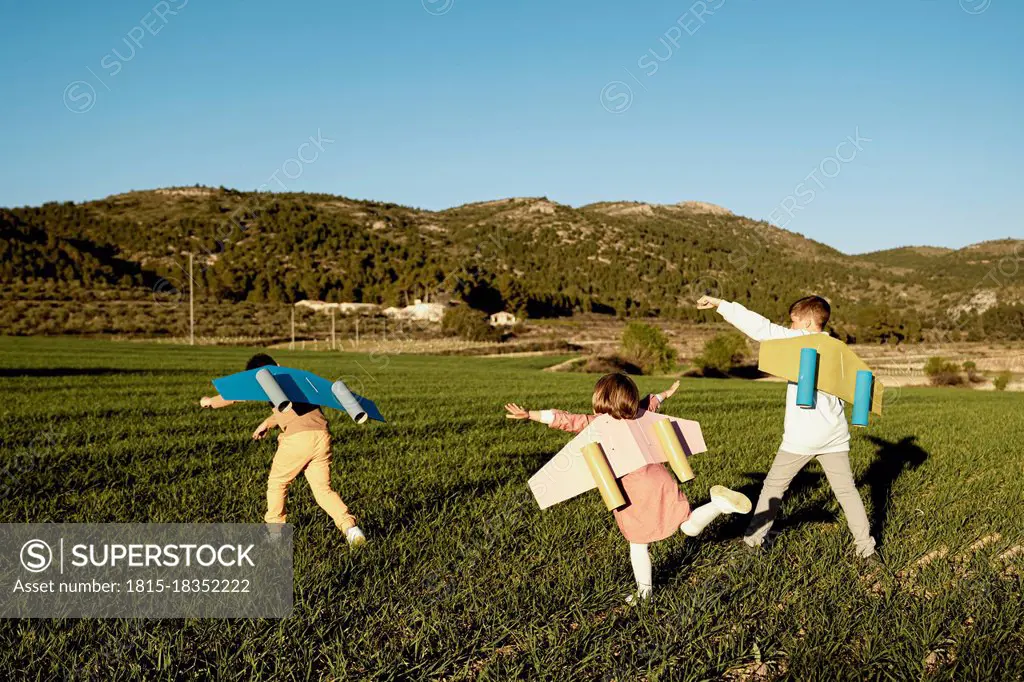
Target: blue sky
(434,103)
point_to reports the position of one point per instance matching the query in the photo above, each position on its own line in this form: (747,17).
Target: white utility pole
(191,304)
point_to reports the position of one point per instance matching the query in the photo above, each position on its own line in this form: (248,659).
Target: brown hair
(815,306)
(617,395)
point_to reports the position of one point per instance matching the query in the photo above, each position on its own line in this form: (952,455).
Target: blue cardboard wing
(282,386)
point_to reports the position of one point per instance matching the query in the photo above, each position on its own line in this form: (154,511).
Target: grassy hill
(531,255)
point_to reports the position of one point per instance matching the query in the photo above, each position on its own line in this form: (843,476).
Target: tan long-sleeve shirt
(298,418)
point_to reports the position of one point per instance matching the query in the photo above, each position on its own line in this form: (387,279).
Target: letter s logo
(36,556)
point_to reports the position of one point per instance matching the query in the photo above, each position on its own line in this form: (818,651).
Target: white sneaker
(355,536)
(729,501)
(638,597)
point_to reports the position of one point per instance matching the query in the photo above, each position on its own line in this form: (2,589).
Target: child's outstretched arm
(750,323)
(655,400)
(215,402)
(513,411)
(556,419)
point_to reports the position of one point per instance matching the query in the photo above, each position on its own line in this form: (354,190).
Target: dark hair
(617,395)
(259,360)
(815,306)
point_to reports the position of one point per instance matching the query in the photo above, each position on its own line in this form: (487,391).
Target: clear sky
(434,103)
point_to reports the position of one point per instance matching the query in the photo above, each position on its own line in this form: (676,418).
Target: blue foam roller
(808,379)
(862,397)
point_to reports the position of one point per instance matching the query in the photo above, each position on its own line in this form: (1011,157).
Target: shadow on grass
(805,480)
(435,500)
(891,460)
(733,526)
(83,371)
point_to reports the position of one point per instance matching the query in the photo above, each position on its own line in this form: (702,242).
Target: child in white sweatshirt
(818,433)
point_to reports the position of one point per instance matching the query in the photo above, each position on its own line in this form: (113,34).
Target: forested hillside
(532,256)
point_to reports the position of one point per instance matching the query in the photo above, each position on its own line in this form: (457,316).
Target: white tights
(641,560)
(640,557)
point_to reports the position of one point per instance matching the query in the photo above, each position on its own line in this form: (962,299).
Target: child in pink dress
(655,506)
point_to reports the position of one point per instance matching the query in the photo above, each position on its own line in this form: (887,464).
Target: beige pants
(837,469)
(308,452)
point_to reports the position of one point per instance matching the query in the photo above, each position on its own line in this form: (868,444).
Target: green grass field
(464,578)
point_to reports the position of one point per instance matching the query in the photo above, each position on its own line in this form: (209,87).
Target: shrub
(722,353)
(648,348)
(468,323)
(942,372)
(606,364)
(973,375)
(1002,380)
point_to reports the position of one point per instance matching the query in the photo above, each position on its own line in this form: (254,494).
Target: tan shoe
(729,501)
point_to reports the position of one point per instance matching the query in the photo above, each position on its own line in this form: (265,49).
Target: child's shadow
(891,460)
(807,480)
(733,526)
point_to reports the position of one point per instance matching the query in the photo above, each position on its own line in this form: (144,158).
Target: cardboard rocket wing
(283,385)
(837,365)
(628,445)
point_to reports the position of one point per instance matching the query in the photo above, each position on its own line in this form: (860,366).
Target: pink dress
(655,505)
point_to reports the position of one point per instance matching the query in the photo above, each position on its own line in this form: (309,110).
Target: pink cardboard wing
(628,444)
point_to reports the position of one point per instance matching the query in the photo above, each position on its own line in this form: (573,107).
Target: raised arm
(652,403)
(215,402)
(556,419)
(755,326)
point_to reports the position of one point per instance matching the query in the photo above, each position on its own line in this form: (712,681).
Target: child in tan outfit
(304,446)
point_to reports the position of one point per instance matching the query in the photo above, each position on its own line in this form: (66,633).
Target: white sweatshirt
(809,431)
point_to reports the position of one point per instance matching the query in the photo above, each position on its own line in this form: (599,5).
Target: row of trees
(553,262)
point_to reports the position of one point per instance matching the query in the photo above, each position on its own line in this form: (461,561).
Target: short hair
(259,360)
(616,395)
(815,306)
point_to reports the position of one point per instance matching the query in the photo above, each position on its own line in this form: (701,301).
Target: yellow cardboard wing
(837,365)
(626,445)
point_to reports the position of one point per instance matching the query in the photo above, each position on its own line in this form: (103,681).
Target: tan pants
(309,452)
(837,469)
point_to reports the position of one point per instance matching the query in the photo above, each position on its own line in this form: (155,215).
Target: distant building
(358,307)
(430,312)
(503,319)
(344,308)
